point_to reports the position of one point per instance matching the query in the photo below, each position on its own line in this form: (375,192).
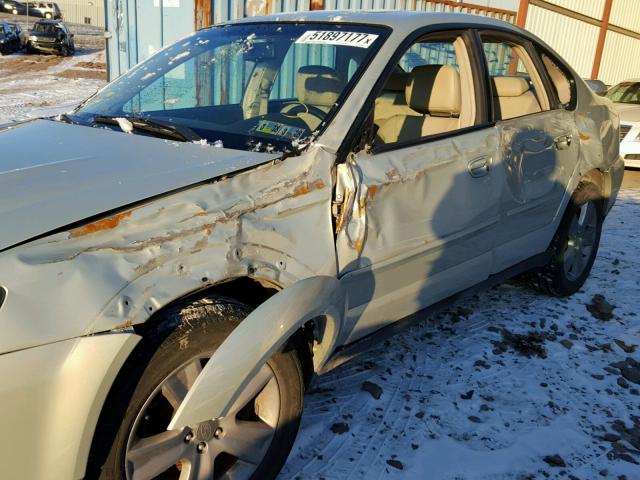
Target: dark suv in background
(9,40)
(51,36)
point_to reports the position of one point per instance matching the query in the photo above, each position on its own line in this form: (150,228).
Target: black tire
(189,330)
(553,279)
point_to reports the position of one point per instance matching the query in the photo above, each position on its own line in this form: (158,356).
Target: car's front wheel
(251,442)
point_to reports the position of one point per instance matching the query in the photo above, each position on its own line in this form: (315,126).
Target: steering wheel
(315,111)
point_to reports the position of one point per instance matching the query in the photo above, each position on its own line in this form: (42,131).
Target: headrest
(318,85)
(509,86)
(434,90)
(397,82)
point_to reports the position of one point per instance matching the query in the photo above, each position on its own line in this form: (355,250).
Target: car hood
(628,112)
(53,174)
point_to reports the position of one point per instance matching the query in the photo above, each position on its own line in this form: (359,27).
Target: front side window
(429,93)
(516,85)
(247,86)
(626,92)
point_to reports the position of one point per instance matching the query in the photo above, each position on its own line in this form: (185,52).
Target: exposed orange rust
(373,190)
(108,223)
(393,174)
(305,188)
(584,137)
(359,245)
(122,326)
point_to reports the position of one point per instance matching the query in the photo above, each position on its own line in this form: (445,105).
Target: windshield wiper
(158,128)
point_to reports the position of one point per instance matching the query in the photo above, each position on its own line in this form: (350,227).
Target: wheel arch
(316,332)
(601,179)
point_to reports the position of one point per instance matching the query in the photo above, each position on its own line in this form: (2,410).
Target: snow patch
(125,125)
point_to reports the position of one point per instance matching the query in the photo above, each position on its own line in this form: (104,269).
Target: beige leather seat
(433,91)
(392,99)
(316,86)
(512,97)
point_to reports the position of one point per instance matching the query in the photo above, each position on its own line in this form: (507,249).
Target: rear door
(416,214)
(538,143)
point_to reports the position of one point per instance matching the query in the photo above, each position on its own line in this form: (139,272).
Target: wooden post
(604,26)
(202,13)
(521,19)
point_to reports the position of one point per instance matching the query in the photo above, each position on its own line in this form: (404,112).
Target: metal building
(87,12)
(138,28)
(599,38)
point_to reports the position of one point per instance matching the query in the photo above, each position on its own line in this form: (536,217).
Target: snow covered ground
(41,85)
(508,385)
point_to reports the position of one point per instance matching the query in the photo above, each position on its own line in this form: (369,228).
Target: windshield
(44,28)
(627,92)
(263,87)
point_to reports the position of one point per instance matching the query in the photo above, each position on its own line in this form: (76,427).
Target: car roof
(400,20)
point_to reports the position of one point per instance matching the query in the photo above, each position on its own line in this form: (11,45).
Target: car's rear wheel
(252,442)
(575,245)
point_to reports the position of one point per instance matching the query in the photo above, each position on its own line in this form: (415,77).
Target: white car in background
(626,97)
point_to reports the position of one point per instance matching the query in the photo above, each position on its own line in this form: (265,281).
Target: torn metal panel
(417,214)
(94,170)
(320,297)
(272,223)
(40,387)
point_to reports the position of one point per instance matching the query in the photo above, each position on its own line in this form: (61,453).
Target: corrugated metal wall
(577,40)
(138,28)
(89,12)
(626,14)
(591,8)
(620,59)
(574,40)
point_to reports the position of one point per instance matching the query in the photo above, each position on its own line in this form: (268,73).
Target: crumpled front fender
(256,339)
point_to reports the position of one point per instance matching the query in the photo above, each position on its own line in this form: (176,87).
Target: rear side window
(561,80)
(516,86)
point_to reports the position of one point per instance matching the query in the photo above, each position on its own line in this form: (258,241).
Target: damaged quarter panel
(272,223)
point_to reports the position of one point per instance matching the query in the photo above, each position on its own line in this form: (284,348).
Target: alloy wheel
(228,448)
(581,240)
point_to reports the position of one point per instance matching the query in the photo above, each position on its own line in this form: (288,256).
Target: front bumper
(45,46)
(616,172)
(51,397)
(630,149)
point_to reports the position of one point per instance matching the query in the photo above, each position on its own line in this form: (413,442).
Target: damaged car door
(417,211)
(538,143)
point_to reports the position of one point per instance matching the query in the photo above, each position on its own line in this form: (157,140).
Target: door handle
(563,142)
(479,167)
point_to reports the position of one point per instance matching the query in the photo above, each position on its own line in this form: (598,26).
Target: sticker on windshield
(279,129)
(333,37)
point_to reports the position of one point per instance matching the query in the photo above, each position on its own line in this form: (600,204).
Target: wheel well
(601,180)
(249,291)
(252,292)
